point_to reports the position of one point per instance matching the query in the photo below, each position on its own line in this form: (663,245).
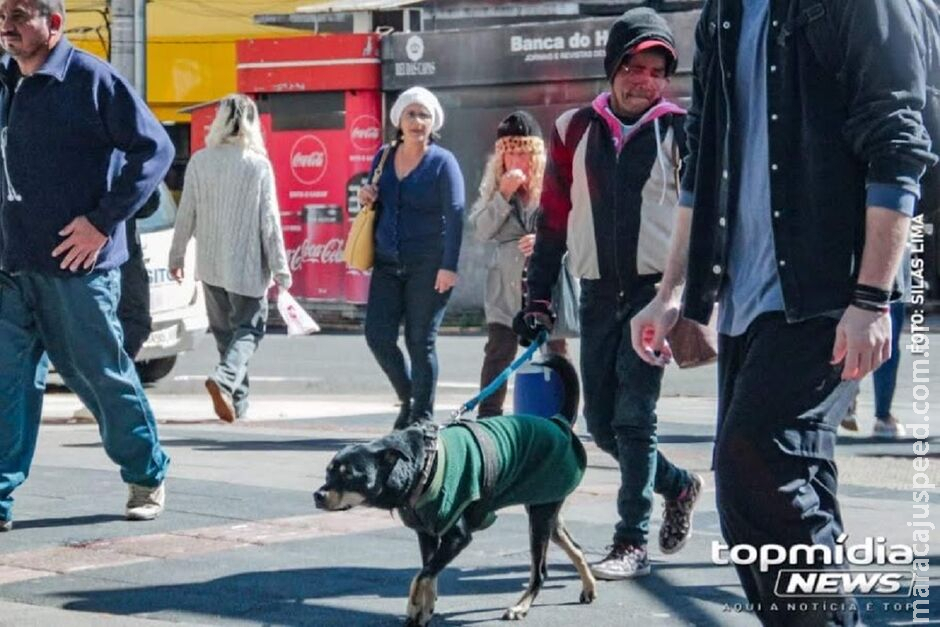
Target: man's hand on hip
(863,342)
(649,328)
(81,246)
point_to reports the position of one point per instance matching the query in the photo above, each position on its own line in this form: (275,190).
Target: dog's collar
(423,483)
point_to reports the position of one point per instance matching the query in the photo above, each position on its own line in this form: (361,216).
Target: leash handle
(501,379)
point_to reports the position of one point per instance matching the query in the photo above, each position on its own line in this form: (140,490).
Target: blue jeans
(238,324)
(620,396)
(405,291)
(886,376)
(74,320)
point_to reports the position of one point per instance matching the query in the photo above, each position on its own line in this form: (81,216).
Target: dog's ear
(392,448)
(392,455)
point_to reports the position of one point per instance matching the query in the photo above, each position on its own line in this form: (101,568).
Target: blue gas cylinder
(538,391)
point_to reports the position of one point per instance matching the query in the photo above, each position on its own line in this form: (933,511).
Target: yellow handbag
(359,253)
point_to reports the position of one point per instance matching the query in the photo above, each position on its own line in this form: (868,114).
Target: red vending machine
(321,110)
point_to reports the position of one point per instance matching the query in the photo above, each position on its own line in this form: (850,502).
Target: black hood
(632,28)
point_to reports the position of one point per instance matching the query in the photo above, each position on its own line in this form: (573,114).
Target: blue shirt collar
(56,65)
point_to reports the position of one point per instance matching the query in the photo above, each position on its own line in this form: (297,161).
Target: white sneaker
(888,429)
(625,561)
(83,415)
(145,503)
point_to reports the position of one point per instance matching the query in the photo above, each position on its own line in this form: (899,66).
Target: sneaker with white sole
(6,525)
(144,502)
(888,429)
(677,517)
(83,415)
(625,561)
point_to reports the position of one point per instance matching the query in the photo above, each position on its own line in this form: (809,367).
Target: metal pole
(129,41)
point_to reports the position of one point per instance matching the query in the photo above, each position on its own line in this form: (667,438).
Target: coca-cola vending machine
(321,110)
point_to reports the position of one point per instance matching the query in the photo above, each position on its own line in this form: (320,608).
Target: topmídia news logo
(871,568)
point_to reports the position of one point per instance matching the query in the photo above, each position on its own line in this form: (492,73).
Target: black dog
(446,484)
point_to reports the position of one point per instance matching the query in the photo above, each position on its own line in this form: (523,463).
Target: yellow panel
(190,45)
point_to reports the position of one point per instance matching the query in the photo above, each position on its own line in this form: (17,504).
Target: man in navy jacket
(64,116)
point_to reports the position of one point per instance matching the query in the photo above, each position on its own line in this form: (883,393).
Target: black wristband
(872,294)
(867,305)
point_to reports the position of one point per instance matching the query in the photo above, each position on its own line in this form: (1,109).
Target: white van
(178,309)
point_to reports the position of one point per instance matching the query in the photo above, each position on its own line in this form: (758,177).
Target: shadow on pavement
(291,596)
(209,444)
(74,521)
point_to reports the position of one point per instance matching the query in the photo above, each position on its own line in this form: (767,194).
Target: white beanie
(423,97)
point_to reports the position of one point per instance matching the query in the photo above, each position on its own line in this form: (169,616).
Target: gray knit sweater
(229,205)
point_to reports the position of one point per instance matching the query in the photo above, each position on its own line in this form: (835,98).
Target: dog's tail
(570,384)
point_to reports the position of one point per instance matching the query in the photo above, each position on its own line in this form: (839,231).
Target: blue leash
(501,379)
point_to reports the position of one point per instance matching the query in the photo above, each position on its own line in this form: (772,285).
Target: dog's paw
(515,613)
(421,600)
(588,595)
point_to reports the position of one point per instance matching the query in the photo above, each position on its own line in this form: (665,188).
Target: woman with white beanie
(420,196)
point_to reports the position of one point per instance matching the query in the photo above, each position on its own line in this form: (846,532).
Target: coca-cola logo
(330,251)
(366,133)
(308,159)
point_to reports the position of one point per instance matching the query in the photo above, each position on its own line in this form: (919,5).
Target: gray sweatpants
(238,323)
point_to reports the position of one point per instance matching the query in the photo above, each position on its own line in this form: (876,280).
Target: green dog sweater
(540,461)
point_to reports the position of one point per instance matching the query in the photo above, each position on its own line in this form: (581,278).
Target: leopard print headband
(520,143)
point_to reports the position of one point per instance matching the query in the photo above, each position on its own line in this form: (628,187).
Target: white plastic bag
(297,320)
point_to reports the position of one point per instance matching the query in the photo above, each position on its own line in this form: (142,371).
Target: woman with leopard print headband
(506,213)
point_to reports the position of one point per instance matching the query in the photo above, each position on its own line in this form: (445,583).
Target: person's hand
(367,194)
(284,281)
(510,182)
(527,244)
(649,328)
(863,342)
(81,246)
(445,280)
(531,321)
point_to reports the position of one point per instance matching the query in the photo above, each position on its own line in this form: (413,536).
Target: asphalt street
(241,543)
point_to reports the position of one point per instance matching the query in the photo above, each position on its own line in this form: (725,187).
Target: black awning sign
(557,50)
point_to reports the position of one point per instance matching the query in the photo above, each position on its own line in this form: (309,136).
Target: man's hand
(446,279)
(527,244)
(532,320)
(82,244)
(510,182)
(863,342)
(178,274)
(649,328)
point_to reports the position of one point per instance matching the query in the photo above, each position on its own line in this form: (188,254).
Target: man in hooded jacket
(609,200)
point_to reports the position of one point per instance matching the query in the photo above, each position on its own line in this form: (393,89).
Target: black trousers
(134,305)
(780,403)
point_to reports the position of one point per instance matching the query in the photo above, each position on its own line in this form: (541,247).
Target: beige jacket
(497,221)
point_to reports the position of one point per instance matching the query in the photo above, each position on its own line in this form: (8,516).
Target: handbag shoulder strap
(381,166)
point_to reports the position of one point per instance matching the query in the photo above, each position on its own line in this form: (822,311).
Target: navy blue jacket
(845,89)
(65,128)
(421,216)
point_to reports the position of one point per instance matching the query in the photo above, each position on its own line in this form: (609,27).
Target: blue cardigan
(79,142)
(421,216)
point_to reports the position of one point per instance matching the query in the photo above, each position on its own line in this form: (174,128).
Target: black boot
(404,416)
